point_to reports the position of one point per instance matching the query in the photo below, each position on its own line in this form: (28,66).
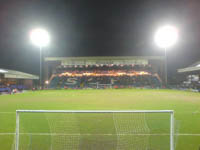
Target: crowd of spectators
(105,76)
(101,67)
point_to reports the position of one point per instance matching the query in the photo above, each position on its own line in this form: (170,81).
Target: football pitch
(185,104)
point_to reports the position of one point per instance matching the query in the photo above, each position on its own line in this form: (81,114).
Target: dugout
(52,63)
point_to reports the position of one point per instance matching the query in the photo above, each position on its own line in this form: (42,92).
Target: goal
(94,130)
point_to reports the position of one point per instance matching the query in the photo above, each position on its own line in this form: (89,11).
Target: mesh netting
(131,130)
(94,131)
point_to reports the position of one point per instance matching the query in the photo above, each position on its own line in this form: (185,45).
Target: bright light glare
(40,37)
(166,36)
(3,71)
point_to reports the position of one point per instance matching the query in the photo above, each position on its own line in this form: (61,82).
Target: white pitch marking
(58,134)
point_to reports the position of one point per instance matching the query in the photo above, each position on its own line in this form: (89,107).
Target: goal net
(94,130)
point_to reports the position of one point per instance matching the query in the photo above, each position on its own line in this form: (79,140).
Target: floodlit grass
(186,106)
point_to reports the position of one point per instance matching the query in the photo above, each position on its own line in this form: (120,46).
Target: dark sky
(97,28)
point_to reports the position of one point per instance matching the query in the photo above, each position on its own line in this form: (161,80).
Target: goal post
(127,123)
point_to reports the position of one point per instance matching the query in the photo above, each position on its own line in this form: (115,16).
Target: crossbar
(94,111)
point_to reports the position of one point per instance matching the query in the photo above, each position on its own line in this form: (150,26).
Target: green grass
(186,106)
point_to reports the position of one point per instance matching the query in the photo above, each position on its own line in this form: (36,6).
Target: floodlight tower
(165,37)
(40,38)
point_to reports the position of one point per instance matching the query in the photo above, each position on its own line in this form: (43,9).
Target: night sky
(97,28)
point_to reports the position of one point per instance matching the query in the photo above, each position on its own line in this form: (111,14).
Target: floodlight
(166,36)
(39,37)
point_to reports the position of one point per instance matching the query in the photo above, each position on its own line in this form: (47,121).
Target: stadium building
(77,72)
(191,75)
(11,79)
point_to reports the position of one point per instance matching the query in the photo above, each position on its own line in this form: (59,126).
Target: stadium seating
(9,88)
(104,77)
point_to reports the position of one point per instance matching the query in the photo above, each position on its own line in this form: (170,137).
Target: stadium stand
(11,80)
(190,76)
(104,72)
(105,76)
